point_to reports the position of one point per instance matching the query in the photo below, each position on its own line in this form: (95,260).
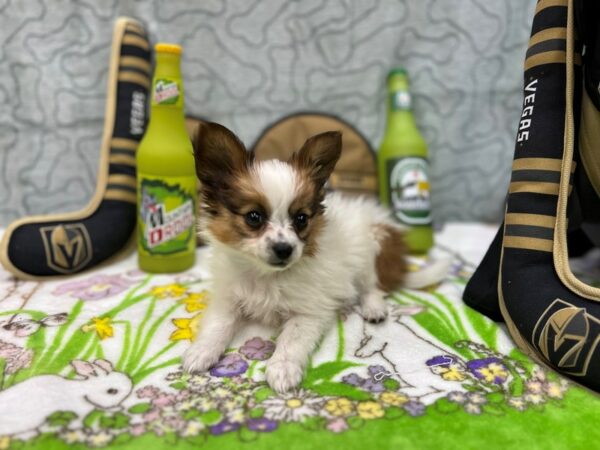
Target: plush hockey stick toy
(554,192)
(61,244)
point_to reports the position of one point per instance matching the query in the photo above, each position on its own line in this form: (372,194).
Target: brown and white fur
(286,254)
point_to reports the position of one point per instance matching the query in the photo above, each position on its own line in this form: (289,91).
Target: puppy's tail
(392,271)
(432,273)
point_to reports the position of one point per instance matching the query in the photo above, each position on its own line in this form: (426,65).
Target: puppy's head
(270,211)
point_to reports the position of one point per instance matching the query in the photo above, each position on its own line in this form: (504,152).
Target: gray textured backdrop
(249,62)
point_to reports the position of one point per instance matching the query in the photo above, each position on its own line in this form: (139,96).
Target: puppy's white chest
(261,301)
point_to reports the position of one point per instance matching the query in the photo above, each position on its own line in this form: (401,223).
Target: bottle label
(166,92)
(408,190)
(400,101)
(166,214)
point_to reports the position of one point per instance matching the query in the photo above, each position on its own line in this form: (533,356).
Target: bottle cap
(161,47)
(397,71)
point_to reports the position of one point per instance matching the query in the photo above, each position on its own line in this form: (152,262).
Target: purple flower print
(373,386)
(491,370)
(95,287)
(135,273)
(229,366)
(377,372)
(353,380)
(377,375)
(457,397)
(224,427)
(414,408)
(257,349)
(261,424)
(442,360)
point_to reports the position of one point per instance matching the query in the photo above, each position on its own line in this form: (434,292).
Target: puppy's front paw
(199,358)
(283,375)
(374,312)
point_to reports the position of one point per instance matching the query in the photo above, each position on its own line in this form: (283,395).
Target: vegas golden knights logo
(567,336)
(68,247)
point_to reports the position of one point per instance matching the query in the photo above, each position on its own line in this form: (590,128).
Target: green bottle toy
(166,178)
(403,166)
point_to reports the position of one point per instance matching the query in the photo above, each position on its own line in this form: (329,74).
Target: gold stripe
(533,187)
(134,61)
(134,77)
(537,164)
(540,164)
(132,26)
(556,56)
(122,159)
(125,143)
(547,35)
(126,180)
(537,220)
(543,4)
(544,245)
(130,39)
(117,194)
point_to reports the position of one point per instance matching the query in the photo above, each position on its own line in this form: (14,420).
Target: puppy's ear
(220,156)
(318,156)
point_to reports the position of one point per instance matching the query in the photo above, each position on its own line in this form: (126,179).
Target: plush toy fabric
(355,172)
(63,244)
(553,196)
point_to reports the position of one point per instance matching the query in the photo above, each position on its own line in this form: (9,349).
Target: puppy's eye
(254,219)
(112,391)
(300,221)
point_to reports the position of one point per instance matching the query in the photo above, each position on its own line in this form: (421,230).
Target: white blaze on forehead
(278,182)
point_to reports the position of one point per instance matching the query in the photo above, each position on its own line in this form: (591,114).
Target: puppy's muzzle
(281,252)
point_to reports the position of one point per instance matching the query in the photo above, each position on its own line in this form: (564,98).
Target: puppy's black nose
(282,250)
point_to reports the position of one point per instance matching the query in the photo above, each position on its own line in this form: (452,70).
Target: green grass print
(443,320)
(443,422)
(70,342)
(319,379)
(565,425)
(446,322)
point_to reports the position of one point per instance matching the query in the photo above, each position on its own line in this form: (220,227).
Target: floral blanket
(94,362)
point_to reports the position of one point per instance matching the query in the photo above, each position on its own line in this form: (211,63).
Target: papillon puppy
(287,254)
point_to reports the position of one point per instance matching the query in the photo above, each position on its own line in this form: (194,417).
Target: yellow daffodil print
(393,398)
(447,367)
(370,410)
(101,325)
(4,442)
(339,407)
(491,370)
(195,301)
(453,373)
(494,372)
(186,328)
(173,290)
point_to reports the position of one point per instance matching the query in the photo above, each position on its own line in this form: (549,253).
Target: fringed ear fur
(319,155)
(220,156)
